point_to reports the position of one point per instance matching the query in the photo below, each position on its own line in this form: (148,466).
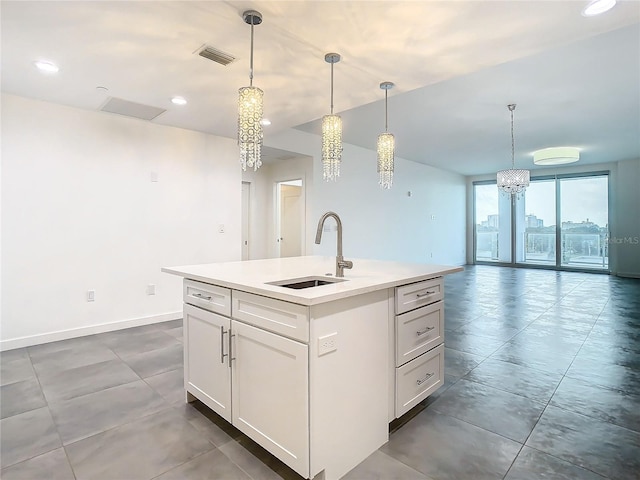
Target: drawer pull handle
(222,354)
(424,294)
(427,377)
(426,330)
(204,297)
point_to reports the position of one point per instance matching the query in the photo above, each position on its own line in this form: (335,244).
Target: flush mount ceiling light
(45,66)
(250,109)
(386,146)
(556,156)
(331,134)
(512,181)
(597,7)
(178,101)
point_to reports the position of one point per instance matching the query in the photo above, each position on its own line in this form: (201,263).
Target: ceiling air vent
(131,109)
(216,55)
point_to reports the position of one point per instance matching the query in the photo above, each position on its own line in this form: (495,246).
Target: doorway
(290,208)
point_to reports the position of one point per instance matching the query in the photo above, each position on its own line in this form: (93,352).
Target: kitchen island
(310,366)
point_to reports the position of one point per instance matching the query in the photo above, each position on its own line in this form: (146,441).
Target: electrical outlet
(221,228)
(91,295)
(327,344)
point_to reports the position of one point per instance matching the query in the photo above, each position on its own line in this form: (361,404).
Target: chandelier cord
(251,58)
(512,107)
(332,88)
(386,126)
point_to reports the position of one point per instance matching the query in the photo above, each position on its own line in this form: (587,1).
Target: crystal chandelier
(512,181)
(331,134)
(250,110)
(386,146)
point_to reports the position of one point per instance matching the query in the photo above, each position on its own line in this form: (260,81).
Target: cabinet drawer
(415,295)
(418,331)
(418,379)
(288,319)
(210,297)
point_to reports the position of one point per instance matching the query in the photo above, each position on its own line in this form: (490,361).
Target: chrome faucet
(341,263)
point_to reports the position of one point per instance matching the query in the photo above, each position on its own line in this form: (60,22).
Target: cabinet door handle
(200,295)
(427,377)
(222,354)
(424,294)
(426,330)
(231,358)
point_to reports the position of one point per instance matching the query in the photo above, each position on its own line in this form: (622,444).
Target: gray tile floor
(542,381)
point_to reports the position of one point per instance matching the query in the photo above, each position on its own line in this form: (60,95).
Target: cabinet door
(270,393)
(207,375)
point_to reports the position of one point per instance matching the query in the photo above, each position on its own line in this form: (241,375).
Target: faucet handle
(346,264)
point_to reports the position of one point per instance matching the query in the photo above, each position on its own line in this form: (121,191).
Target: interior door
(291,203)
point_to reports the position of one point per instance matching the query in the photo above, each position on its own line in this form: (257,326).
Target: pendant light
(331,134)
(512,181)
(250,109)
(386,146)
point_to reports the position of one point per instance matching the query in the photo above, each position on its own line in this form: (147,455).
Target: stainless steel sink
(306,282)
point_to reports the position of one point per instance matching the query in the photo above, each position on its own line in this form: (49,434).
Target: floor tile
(88,415)
(46,361)
(209,424)
(534,465)
(504,413)
(210,465)
(446,448)
(537,357)
(152,363)
(142,449)
(490,327)
(380,466)
(176,332)
(169,384)
(79,381)
(27,435)
(525,381)
(124,343)
(468,343)
(458,364)
(52,466)
(611,375)
(598,446)
(598,402)
(15,366)
(256,461)
(20,397)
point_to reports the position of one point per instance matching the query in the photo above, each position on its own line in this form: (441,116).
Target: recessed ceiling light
(44,66)
(266,122)
(597,7)
(179,101)
(556,156)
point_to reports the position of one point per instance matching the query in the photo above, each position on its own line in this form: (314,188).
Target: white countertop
(366,276)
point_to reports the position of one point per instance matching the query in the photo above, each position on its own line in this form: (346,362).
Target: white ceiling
(456,65)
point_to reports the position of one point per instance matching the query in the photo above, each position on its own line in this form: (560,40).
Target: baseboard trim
(21,342)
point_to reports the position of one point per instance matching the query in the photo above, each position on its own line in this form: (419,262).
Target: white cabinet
(253,378)
(270,393)
(417,368)
(206,367)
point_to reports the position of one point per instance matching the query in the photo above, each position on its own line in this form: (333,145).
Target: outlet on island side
(327,344)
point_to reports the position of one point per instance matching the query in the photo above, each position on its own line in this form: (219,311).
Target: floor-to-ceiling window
(560,221)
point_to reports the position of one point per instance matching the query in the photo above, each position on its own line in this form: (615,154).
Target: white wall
(624,211)
(385,224)
(79,212)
